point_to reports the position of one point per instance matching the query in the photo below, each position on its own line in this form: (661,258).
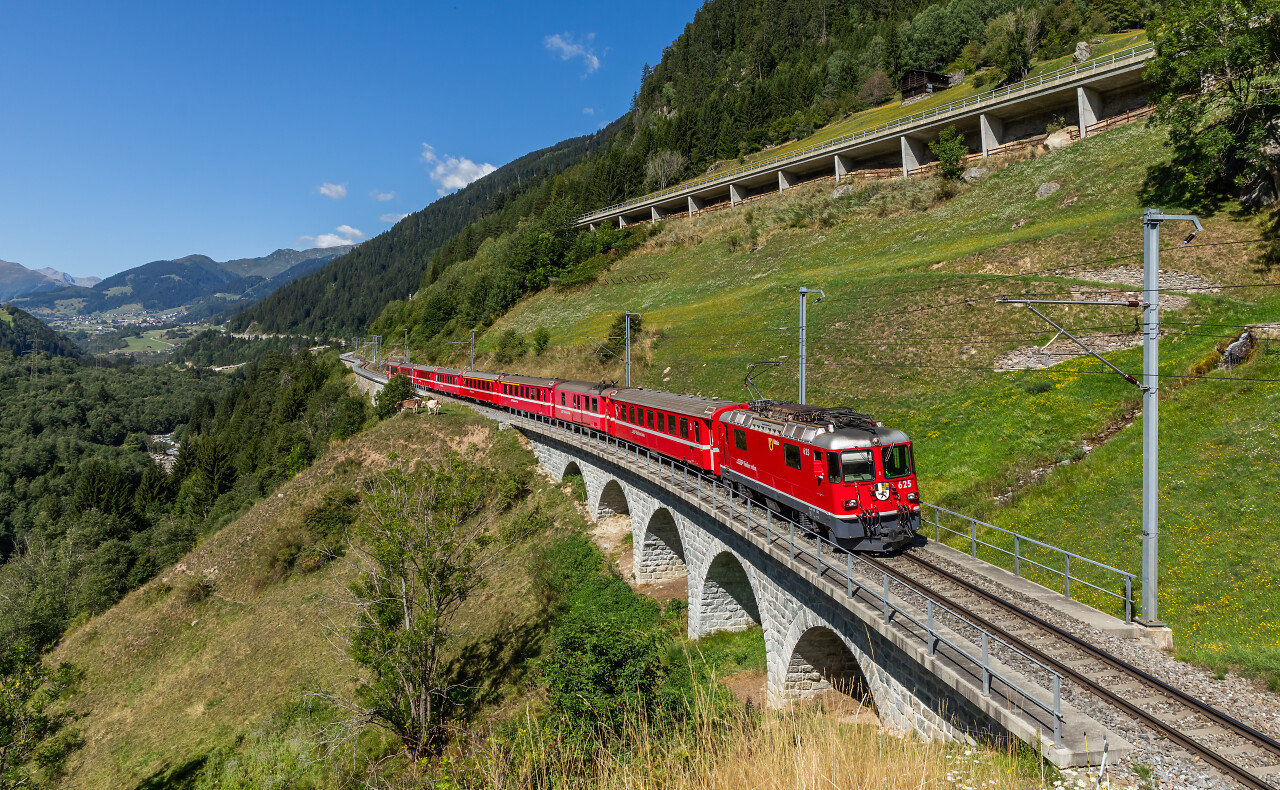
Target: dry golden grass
(817,745)
(166,680)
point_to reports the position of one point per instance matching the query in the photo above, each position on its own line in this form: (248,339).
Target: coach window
(662,423)
(697,432)
(684,428)
(791,455)
(650,417)
(740,438)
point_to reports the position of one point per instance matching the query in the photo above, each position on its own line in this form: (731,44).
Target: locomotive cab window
(739,438)
(595,404)
(896,460)
(858,466)
(833,467)
(791,455)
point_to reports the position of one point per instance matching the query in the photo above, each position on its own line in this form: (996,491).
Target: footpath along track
(1186,720)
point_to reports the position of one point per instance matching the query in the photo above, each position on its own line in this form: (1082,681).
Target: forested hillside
(20,332)
(87,513)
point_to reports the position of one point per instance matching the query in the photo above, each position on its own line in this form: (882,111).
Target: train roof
(476,374)
(531,381)
(595,388)
(829,429)
(450,371)
(692,405)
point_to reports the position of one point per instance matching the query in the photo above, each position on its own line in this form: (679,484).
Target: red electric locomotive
(844,473)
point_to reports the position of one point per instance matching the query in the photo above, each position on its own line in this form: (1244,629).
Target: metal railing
(1019,556)
(1132,53)
(831,562)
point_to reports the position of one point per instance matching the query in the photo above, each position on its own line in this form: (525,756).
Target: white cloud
(382,197)
(392,218)
(345,235)
(450,173)
(564,45)
(333,191)
(588,110)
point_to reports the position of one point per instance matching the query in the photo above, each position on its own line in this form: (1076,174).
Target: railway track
(1078,660)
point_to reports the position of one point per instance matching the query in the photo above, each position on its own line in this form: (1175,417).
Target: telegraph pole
(804,293)
(628,343)
(473,350)
(1151,219)
(406,346)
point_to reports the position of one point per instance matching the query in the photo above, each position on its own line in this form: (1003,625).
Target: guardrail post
(1016,557)
(791,537)
(768,527)
(933,639)
(817,546)
(986,664)
(886,597)
(1128,599)
(973,538)
(1057,710)
(1066,576)
(937,523)
(848,571)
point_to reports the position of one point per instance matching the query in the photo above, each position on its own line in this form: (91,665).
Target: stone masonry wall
(812,641)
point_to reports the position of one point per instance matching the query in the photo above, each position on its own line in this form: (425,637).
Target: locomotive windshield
(896,460)
(858,466)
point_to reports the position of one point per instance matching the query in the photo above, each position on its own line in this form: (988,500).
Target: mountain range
(16,279)
(198,284)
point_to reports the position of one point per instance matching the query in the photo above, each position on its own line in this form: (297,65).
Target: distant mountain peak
(62,278)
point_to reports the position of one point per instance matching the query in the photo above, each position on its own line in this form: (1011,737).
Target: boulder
(1046,189)
(973,174)
(1062,138)
(1083,52)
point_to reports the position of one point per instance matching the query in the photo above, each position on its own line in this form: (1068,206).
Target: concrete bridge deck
(1085,95)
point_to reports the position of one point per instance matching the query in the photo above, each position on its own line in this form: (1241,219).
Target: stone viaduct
(817,638)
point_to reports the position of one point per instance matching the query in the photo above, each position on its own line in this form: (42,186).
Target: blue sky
(136,132)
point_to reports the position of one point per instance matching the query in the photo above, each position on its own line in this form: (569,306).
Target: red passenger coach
(678,426)
(527,393)
(843,472)
(479,386)
(448,381)
(581,402)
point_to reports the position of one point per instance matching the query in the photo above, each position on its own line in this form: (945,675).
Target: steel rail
(1234,770)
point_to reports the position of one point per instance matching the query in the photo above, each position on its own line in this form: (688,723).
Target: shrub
(950,149)
(541,339)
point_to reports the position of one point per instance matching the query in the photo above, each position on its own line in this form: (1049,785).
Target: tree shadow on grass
(182,777)
(484,667)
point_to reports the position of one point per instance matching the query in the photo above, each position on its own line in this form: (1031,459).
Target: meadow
(910,332)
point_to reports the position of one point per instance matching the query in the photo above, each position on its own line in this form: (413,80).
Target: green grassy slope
(167,680)
(910,330)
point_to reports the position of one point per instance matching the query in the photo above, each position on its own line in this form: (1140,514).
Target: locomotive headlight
(913,497)
(850,504)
